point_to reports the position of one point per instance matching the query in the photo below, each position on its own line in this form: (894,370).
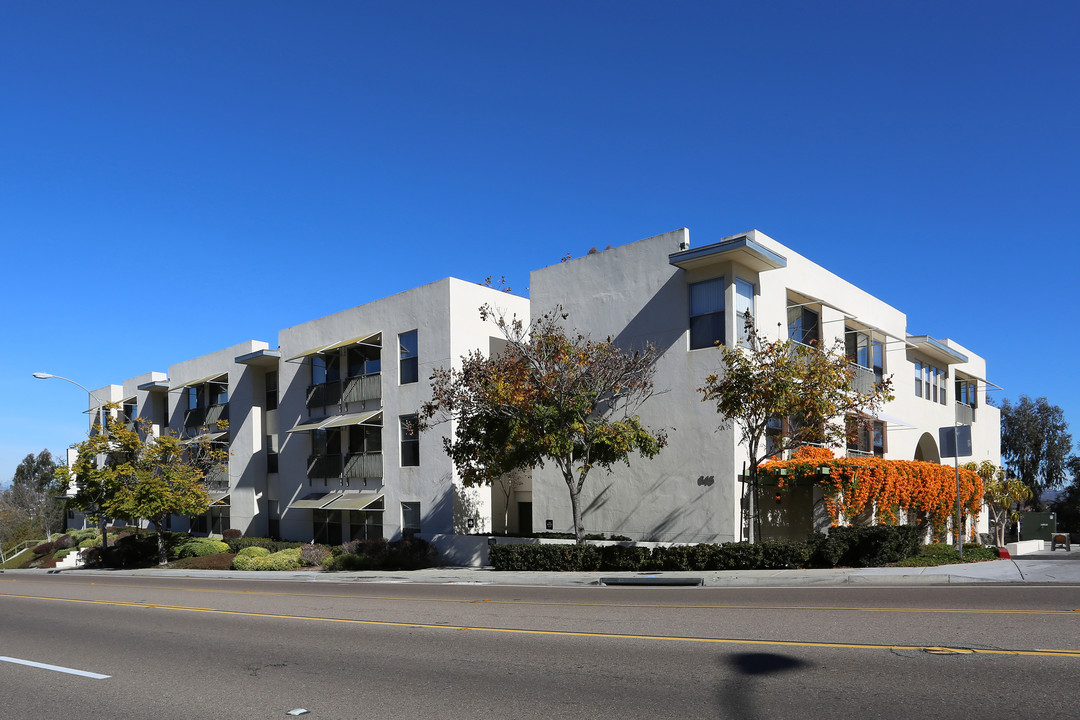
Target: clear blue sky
(176,178)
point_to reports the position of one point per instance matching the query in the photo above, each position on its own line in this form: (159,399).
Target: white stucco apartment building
(682,300)
(321,435)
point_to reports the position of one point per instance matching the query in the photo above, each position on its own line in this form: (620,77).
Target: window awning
(358,340)
(206,437)
(200,381)
(338,421)
(315,500)
(893,421)
(354,501)
(218,498)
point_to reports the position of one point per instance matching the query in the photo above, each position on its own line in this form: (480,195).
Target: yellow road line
(664,606)
(565,633)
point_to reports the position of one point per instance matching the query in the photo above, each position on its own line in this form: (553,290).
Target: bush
(61,554)
(281,560)
(89,542)
(198,547)
(253,551)
(545,557)
(349,562)
(314,554)
(272,545)
(63,542)
(231,534)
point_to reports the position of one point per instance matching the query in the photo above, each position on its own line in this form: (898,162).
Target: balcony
(323,394)
(365,466)
(965,414)
(863,379)
(217,479)
(325,466)
(363,388)
(197,417)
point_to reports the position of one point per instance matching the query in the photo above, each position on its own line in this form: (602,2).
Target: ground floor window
(366,524)
(410,519)
(327,527)
(214,521)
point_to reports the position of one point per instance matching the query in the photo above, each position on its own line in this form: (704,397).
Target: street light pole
(100,405)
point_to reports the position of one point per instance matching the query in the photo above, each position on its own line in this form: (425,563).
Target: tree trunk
(163,556)
(575,505)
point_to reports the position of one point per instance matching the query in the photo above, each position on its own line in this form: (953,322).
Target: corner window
(410,441)
(744,307)
(707,313)
(410,519)
(410,368)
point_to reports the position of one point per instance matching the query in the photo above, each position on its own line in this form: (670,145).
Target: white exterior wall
(247,457)
(445,315)
(690,492)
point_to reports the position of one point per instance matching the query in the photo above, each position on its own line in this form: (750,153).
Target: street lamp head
(43,376)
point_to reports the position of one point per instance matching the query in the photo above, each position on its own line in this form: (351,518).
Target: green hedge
(849,546)
(238,544)
(288,559)
(199,547)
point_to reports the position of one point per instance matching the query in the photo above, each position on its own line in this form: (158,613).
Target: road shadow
(751,670)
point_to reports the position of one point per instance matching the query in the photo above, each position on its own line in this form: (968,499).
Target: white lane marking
(56,668)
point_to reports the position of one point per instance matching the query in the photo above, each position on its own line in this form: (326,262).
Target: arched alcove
(927,449)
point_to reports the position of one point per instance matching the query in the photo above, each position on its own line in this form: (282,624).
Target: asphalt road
(193,648)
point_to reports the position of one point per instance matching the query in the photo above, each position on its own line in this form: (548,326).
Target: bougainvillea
(854,486)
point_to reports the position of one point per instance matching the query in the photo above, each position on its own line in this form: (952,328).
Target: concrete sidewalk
(1059,568)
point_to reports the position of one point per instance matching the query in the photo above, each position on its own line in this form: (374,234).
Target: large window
(707,313)
(410,368)
(326,526)
(325,368)
(866,437)
(271,390)
(866,352)
(930,383)
(744,307)
(410,441)
(966,392)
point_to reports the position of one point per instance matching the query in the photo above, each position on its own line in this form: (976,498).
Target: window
(271,454)
(364,360)
(271,390)
(410,368)
(325,369)
(196,397)
(219,393)
(930,383)
(803,325)
(273,519)
(918,379)
(865,437)
(367,524)
(744,307)
(365,439)
(966,392)
(410,441)
(327,526)
(707,313)
(410,519)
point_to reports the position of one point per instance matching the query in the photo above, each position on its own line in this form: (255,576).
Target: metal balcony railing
(323,394)
(368,466)
(325,466)
(863,380)
(363,388)
(965,414)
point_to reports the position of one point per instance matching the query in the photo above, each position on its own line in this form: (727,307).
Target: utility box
(1038,526)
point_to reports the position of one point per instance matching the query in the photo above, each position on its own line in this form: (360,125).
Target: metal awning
(892,420)
(358,340)
(219,498)
(206,437)
(354,501)
(337,421)
(200,381)
(315,500)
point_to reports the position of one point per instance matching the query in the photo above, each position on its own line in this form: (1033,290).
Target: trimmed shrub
(281,560)
(272,545)
(545,557)
(231,534)
(90,542)
(253,551)
(63,542)
(349,562)
(45,548)
(876,545)
(198,547)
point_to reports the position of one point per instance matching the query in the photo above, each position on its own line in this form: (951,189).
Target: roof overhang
(260,358)
(322,423)
(936,350)
(155,386)
(740,249)
(358,340)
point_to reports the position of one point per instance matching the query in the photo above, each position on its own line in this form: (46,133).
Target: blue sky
(176,178)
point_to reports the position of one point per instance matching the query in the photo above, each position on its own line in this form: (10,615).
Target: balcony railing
(367,466)
(325,466)
(863,379)
(363,388)
(197,417)
(965,414)
(323,394)
(217,479)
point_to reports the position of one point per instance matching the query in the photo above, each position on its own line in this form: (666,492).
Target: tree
(810,389)
(1001,493)
(550,396)
(33,494)
(1067,507)
(1035,443)
(127,473)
